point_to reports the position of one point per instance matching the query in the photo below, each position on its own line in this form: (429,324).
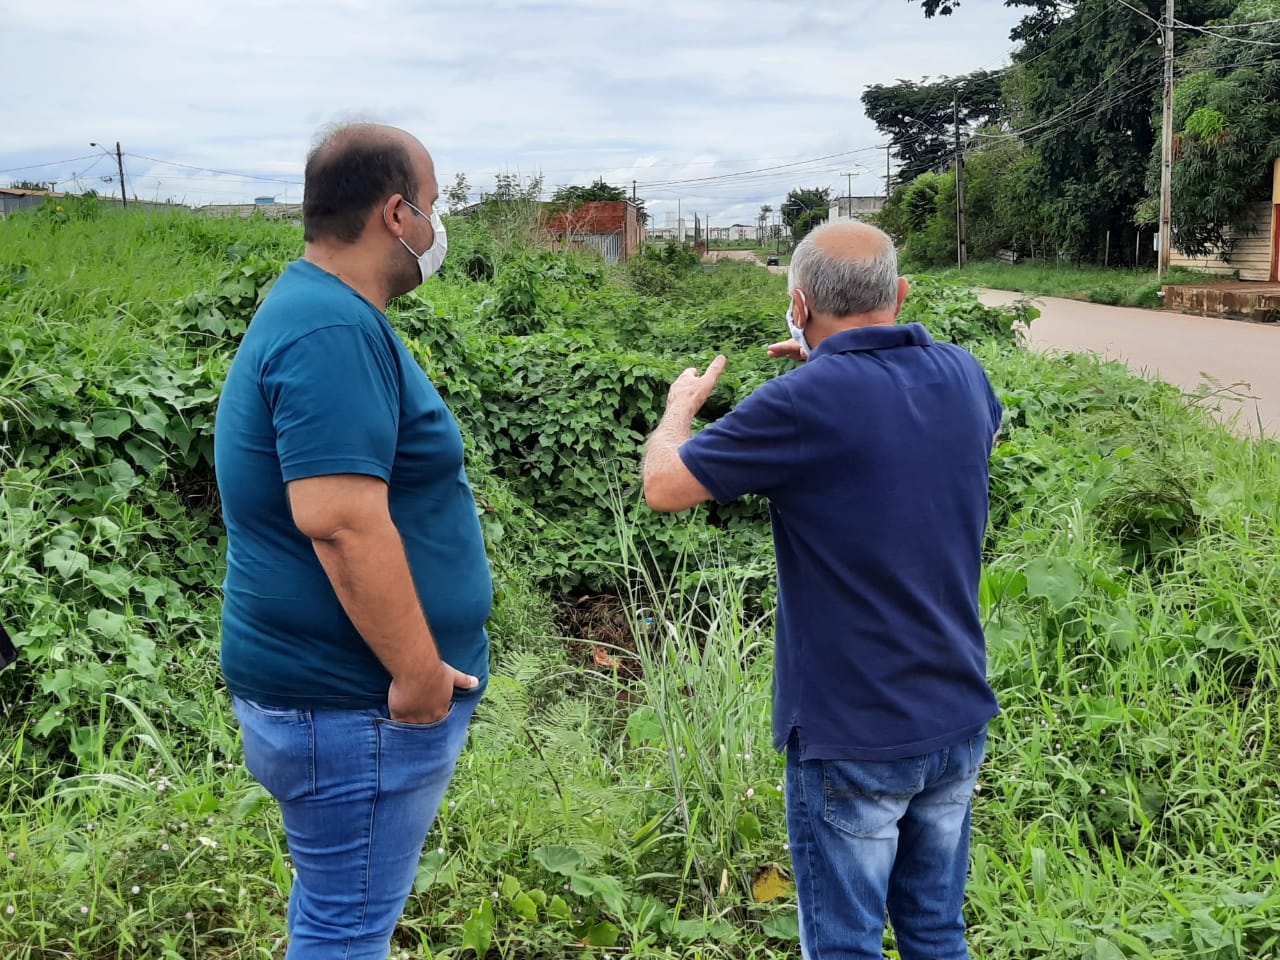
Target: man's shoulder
(312,297)
(301,307)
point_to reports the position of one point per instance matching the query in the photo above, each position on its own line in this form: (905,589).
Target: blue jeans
(874,836)
(358,792)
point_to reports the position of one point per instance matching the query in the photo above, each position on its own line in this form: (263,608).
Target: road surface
(1243,359)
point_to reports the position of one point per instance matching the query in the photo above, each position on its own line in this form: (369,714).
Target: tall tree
(919,118)
(805,208)
(598,190)
(1083,97)
(458,194)
(1227,130)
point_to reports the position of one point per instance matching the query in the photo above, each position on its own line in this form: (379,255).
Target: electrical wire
(1141,13)
(51,163)
(1221,36)
(225,173)
(744,173)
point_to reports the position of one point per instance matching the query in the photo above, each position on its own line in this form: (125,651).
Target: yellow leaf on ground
(770,884)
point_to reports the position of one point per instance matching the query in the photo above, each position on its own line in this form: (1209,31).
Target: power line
(1064,39)
(1070,109)
(51,163)
(1220,36)
(225,173)
(743,173)
(1236,26)
(1139,12)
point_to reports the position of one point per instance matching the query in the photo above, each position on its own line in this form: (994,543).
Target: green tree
(571,195)
(599,190)
(513,212)
(1227,131)
(804,209)
(1082,96)
(458,194)
(919,118)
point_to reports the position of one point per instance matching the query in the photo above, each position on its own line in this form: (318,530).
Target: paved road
(1186,351)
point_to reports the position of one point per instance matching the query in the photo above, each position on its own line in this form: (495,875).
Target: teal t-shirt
(322,385)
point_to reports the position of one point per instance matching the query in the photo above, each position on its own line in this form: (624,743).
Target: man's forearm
(665,442)
(370,574)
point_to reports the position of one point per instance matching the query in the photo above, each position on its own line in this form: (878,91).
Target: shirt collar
(873,338)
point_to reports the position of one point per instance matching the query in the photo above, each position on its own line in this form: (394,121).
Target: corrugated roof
(17,192)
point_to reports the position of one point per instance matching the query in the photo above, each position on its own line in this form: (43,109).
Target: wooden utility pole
(124,199)
(962,254)
(119,163)
(1166,148)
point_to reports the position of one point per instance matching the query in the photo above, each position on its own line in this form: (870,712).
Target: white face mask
(796,333)
(430,259)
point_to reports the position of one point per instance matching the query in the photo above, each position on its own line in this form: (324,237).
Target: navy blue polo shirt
(874,458)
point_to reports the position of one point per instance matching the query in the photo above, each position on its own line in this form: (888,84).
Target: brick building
(610,227)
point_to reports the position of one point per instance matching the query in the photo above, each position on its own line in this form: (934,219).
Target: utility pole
(1166,147)
(119,163)
(888,175)
(962,254)
(633,191)
(124,199)
(849,194)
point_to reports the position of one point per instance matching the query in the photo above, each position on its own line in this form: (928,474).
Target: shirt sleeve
(753,449)
(994,405)
(334,397)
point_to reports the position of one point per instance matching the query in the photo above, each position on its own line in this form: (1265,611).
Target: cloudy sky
(218,100)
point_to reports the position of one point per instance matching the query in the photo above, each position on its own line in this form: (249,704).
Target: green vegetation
(1062,148)
(1115,287)
(619,789)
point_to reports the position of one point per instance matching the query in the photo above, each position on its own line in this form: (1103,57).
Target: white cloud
(661,91)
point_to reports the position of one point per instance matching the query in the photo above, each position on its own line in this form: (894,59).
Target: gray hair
(844,286)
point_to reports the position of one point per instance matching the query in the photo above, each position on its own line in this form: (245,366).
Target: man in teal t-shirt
(357,589)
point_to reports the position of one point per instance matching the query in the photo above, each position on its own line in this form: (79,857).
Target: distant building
(665,233)
(1255,253)
(854,208)
(12,199)
(610,227)
(266,206)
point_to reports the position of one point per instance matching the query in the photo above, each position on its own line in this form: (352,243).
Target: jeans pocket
(386,721)
(964,761)
(867,798)
(279,747)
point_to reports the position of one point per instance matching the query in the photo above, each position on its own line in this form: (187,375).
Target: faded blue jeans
(874,836)
(358,792)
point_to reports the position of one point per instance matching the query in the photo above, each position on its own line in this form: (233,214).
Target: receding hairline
(339,135)
(848,241)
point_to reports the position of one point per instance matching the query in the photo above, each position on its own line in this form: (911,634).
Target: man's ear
(903,289)
(394,212)
(799,309)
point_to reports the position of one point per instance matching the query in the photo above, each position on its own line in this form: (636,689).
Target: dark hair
(349,173)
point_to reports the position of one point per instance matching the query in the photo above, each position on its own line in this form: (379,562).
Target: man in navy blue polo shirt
(874,458)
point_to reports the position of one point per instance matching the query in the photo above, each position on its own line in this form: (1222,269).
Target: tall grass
(620,789)
(1111,286)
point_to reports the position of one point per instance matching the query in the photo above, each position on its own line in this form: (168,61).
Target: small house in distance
(610,227)
(1255,252)
(13,199)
